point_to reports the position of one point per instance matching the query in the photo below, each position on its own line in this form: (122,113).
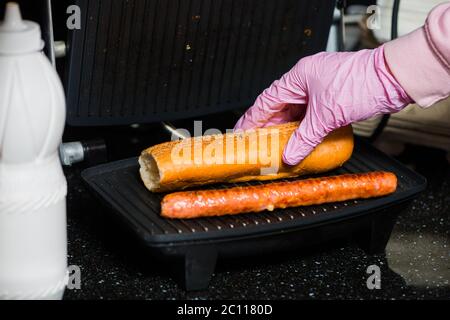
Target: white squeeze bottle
(33,240)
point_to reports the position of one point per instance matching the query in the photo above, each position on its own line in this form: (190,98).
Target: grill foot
(196,267)
(376,237)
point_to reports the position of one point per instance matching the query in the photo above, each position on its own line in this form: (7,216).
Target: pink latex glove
(330,90)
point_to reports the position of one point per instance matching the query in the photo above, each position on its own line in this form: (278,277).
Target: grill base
(192,247)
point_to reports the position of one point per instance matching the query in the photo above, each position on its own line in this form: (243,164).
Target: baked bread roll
(237,157)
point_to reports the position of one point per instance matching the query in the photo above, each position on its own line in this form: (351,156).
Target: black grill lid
(150,60)
(118,184)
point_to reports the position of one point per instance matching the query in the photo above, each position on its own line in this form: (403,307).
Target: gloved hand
(330,90)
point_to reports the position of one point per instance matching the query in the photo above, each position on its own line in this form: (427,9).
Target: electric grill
(193,246)
(146,61)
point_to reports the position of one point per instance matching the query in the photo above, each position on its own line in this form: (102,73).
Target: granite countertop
(416,264)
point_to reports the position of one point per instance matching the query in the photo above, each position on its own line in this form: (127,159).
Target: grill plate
(119,184)
(144,61)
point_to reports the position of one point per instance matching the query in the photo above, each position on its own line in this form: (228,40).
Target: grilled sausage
(206,203)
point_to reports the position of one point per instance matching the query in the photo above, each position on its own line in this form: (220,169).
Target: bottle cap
(18,36)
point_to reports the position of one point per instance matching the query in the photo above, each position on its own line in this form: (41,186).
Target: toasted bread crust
(161,172)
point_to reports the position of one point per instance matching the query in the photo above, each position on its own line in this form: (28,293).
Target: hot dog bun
(161,172)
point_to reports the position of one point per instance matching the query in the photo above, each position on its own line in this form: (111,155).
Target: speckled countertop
(416,264)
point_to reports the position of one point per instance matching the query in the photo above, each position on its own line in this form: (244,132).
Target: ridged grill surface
(119,185)
(150,60)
